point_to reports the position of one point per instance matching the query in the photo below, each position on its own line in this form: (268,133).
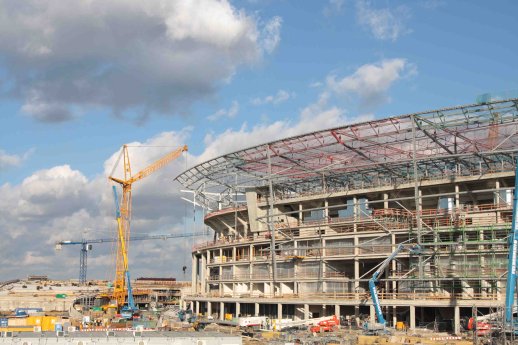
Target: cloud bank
(138,57)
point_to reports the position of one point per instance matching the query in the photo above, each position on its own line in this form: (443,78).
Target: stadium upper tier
(460,140)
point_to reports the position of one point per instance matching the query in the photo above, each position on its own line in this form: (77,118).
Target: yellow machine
(121,265)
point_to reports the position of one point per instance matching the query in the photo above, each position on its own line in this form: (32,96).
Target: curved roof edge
(444,131)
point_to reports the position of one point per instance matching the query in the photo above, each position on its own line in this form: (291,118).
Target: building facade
(301,224)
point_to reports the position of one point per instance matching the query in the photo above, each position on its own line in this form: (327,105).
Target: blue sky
(217,76)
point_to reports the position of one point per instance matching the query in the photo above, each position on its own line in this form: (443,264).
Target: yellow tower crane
(120,287)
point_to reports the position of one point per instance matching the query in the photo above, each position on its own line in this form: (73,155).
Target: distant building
(37,278)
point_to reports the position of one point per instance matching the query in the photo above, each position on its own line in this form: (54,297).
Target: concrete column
(456,320)
(238,309)
(412,317)
(356,277)
(394,316)
(355,214)
(203,273)
(326,208)
(372,314)
(194,280)
(385,200)
(356,243)
(234,256)
(300,213)
(252,198)
(221,311)
(256,311)
(337,310)
(497,200)
(191,305)
(209,308)
(356,266)
(197,306)
(457,197)
(279,310)
(393,266)
(306,311)
(420,201)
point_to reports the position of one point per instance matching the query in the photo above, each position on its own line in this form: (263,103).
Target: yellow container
(34,320)
(48,323)
(228,317)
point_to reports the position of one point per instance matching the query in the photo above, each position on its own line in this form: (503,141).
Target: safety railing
(392,219)
(362,296)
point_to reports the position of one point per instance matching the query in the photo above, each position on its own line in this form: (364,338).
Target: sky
(78,79)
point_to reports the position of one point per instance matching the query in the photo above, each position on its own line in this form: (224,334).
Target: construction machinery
(413,249)
(326,325)
(510,325)
(128,309)
(120,288)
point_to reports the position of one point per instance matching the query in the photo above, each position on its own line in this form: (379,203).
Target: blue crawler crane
(380,325)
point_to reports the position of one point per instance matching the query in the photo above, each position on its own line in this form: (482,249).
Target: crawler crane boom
(414,249)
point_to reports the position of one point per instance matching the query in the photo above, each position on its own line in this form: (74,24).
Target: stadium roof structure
(476,138)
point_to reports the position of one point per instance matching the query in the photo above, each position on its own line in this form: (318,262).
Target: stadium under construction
(302,223)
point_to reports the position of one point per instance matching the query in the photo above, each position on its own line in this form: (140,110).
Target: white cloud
(228,113)
(7,160)
(279,97)
(271,34)
(333,7)
(10,160)
(371,82)
(383,23)
(143,57)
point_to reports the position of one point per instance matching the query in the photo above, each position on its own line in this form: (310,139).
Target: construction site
(391,231)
